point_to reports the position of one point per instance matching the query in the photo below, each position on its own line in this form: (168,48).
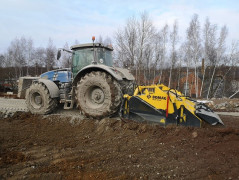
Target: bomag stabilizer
(160,104)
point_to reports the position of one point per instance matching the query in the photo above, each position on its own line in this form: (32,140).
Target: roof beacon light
(93,38)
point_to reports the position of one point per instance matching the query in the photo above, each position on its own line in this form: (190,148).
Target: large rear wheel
(38,99)
(98,95)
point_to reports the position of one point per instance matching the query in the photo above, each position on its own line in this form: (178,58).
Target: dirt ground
(55,147)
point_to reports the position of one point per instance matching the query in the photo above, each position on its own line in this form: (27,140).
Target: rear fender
(113,72)
(125,73)
(51,86)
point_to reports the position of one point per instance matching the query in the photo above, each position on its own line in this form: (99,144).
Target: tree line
(154,55)
(161,56)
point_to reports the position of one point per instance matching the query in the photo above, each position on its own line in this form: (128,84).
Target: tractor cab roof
(90,45)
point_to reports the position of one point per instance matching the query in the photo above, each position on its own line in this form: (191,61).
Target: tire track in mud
(38,158)
(52,147)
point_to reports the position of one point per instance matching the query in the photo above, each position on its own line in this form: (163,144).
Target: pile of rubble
(224,104)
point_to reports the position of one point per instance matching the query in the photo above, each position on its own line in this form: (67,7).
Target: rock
(194,134)
(236,105)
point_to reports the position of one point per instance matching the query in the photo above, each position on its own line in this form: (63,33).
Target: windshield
(82,58)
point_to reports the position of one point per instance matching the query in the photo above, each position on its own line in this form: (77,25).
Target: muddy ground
(55,147)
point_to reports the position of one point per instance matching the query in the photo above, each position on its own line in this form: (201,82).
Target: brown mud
(54,147)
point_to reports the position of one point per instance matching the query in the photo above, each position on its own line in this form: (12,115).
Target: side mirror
(58,54)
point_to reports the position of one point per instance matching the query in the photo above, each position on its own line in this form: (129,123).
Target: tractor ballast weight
(160,104)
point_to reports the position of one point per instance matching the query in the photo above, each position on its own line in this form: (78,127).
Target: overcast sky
(66,21)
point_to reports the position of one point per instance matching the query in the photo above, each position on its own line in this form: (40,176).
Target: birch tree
(157,53)
(232,59)
(209,48)
(66,61)
(2,60)
(180,57)
(39,59)
(145,32)
(50,55)
(220,50)
(194,44)
(16,55)
(126,40)
(164,37)
(173,55)
(29,53)
(132,42)
(187,59)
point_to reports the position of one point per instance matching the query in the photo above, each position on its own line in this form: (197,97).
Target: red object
(167,107)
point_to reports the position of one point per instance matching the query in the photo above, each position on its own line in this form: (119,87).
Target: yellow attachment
(156,96)
(182,115)
(162,121)
(159,103)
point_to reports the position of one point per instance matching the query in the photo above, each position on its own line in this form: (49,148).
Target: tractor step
(68,104)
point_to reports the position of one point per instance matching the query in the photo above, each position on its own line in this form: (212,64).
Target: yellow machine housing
(160,104)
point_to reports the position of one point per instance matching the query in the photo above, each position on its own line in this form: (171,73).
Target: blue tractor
(92,84)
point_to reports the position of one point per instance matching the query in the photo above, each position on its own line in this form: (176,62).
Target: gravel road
(9,106)
(14,105)
(228,113)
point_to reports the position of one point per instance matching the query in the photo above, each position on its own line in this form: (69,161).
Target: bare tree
(66,57)
(39,59)
(164,37)
(187,59)
(99,39)
(106,41)
(29,53)
(50,55)
(16,55)
(157,53)
(194,43)
(2,60)
(209,48)
(173,56)
(180,56)
(220,50)
(232,59)
(133,41)
(148,56)
(145,31)
(126,40)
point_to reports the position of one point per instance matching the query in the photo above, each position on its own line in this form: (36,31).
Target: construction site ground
(70,146)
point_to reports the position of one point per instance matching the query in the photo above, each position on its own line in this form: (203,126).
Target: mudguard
(118,73)
(125,73)
(51,86)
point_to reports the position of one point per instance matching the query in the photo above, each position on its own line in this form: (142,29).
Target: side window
(76,59)
(108,58)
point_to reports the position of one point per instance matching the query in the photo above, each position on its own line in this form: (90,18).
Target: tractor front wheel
(38,99)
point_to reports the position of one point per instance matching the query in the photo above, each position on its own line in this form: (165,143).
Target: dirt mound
(225,105)
(55,147)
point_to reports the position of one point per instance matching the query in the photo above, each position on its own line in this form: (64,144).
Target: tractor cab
(91,53)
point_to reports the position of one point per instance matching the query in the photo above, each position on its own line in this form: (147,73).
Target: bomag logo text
(159,98)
